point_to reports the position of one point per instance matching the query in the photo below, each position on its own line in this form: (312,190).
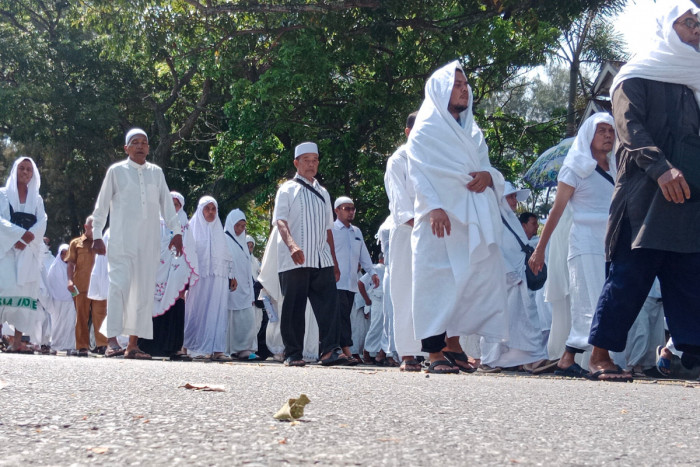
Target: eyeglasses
(348,208)
(689,23)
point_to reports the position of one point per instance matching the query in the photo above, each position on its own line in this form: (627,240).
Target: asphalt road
(78,411)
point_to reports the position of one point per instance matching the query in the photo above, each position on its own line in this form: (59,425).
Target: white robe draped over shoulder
(458,280)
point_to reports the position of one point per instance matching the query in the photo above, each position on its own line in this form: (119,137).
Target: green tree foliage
(226,89)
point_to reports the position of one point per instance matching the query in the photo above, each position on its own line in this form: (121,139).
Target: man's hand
(28,237)
(71,286)
(98,246)
(336,272)
(232,284)
(176,243)
(297,254)
(481,181)
(375,281)
(20,246)
(440,223)
(673,186)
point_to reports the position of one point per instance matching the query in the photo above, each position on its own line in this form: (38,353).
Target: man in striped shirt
(307,265)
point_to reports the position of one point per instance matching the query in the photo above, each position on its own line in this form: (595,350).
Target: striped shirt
(309,219)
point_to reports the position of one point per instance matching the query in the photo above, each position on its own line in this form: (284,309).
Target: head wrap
(232,219)
(213,255)
(58,277)
(669,60)
(522,194)
(303,148)
(249,239)
(342,200)
(182,217)
(133,132)
(579,158)
(33,186)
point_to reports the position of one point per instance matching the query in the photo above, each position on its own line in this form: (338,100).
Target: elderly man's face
(307,165)
(688,29)
(459,99)
(137,149)
(603,138)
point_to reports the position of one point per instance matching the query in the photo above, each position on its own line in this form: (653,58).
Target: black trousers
(345,301)
(630,276)
(318,286)
(433,344)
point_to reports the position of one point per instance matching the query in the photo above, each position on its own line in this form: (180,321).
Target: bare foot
(602,367)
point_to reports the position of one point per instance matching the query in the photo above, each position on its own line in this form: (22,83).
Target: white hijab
(231,220)
(58,278)
(580,158)
(32,188)
(213,255)
(181,216)
(669,60)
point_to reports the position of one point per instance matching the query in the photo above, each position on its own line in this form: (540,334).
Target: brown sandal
(137,354)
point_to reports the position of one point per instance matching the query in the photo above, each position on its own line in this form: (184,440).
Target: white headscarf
(249,239)
(58,278)
(181,216)
(669,60)
(213,255)
(580,158)
(441,149)
(231,220)
(32,188)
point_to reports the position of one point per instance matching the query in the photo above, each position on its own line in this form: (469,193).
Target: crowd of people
(461,285)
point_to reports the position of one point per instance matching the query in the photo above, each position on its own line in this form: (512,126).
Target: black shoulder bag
(22,219)
(534,281)
(310,188)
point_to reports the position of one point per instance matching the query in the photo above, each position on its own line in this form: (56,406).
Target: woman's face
(25,172)
(209,212)
(176,203)
(239,228)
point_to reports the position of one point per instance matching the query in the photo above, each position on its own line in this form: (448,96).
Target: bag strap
(522,245)
(310,188)
(232,238)
(605,175)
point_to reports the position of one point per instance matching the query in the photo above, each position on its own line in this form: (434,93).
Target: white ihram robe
(20,270)
(524,344)
(458,280)
(242,336)
(206,306)
(401,199)
(62,311)
(135,197)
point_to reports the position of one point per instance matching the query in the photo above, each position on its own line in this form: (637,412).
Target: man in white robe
(458,272)
(134,195)
(401,198)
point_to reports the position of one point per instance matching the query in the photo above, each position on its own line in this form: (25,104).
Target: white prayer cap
(249,239)
(178,197)
(342,200)
(303,148)
(521,195)
(134,132)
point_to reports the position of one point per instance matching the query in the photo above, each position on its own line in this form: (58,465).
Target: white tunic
(135,197)
(350,250)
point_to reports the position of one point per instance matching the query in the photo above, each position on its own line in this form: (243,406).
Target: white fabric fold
(58,277)
(669,60)
(213,255)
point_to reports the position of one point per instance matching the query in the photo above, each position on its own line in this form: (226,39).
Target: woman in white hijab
(524,346)
(242,334)
(22,227)
(206,306)
(62,312)
(589,194)
(174,275)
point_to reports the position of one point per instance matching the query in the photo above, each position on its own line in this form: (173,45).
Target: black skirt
(168,332)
